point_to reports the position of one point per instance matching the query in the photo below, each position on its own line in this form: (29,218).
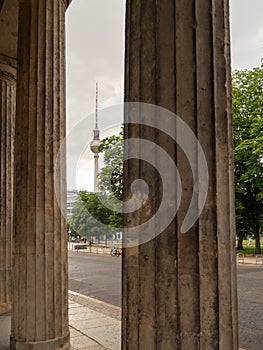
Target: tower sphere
(94,145)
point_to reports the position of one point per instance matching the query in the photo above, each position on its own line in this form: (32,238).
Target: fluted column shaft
(40,286)
(179,289)
(7,119)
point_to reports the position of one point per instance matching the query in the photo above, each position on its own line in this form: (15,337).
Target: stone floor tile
(75,310)
(82,342)
(84,325)
(97,347)
(84,315)
(108,336)
(73,304)
(5,330)
(74,333)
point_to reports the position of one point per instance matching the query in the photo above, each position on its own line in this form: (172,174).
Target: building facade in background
(72,196)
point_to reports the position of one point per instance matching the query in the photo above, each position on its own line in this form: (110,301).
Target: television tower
(94,145)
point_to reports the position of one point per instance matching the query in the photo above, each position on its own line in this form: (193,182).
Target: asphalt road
(100,277)
(250,306)
(97,276)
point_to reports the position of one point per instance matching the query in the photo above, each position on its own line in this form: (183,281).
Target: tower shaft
(94,145)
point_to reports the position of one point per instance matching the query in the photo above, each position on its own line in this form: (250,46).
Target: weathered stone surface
(179,290)
(7,120)
(8,27)
(39,290)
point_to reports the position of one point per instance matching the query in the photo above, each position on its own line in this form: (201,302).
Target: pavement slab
(93,324)
(5,328)
(96,325)
(91,328)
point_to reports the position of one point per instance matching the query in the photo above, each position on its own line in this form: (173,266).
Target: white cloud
(95,54)
(246,33)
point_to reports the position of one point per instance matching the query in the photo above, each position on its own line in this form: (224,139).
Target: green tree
(248,150)
(111,175)
(87,214)
(104,207)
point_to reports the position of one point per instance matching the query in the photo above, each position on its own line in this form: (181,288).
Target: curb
(96,305)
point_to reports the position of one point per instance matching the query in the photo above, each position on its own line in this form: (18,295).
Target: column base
(53,344)
(5,308)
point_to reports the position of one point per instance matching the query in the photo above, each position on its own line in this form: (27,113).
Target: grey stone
(179,289)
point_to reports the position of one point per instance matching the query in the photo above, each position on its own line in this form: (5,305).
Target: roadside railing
(87,248)
(240,257)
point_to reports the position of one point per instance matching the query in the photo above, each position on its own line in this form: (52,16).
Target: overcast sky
(95,54)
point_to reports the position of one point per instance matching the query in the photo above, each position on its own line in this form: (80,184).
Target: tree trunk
(257,242)
(240,241)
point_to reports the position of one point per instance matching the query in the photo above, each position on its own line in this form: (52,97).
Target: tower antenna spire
(94,145)
(97,108)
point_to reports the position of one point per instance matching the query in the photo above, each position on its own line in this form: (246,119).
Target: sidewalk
(94,325)
(252,260)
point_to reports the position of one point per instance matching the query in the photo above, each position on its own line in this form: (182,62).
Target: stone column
(7,119)
(40,274)
(179,289)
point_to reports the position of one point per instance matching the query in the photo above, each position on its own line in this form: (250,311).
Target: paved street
(97,276)
(250,297)
(100,277)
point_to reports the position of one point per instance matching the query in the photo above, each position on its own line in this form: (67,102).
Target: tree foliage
(111,175)
(104,207)
(87,214)
(248,150)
